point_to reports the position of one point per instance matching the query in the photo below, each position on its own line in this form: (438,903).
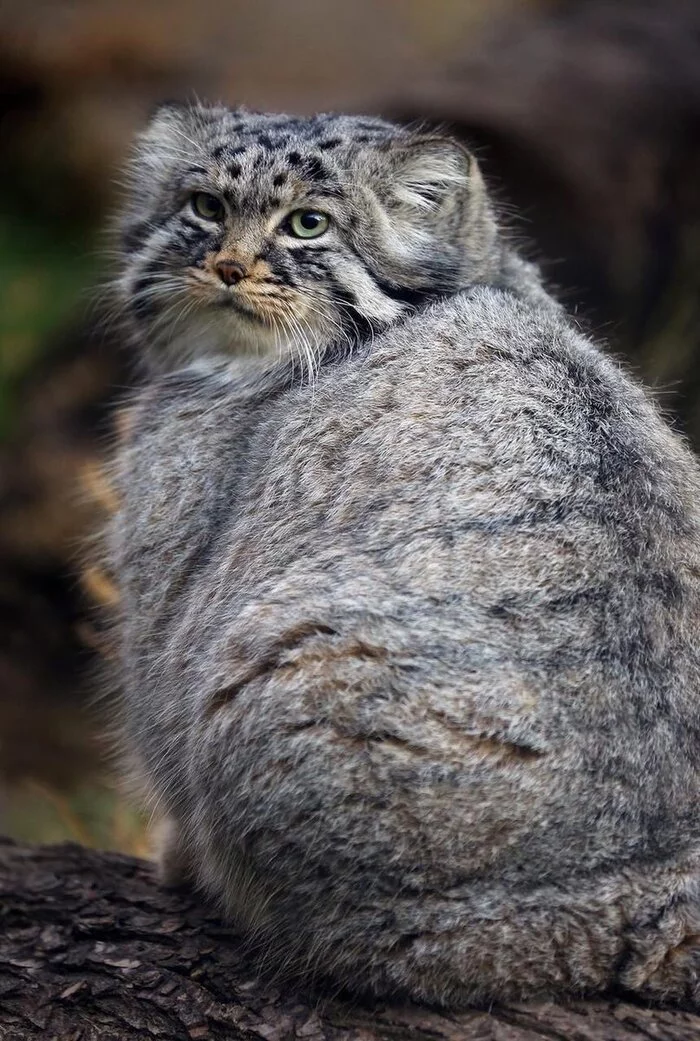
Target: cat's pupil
(310,221)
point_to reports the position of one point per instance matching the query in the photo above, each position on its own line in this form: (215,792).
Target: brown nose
(230,272)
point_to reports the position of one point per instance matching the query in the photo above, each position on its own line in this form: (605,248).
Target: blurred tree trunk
(91,948)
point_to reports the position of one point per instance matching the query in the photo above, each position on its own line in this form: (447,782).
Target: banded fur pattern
(408,221)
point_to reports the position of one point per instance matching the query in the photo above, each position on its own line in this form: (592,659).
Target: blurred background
(585,114)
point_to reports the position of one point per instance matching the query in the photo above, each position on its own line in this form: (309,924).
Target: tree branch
(91,948)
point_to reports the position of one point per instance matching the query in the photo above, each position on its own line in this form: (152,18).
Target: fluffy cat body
(411,665)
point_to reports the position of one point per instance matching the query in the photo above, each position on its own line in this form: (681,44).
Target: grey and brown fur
(410,663)
(410,222)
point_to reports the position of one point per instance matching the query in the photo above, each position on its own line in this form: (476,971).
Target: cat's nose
(230,272)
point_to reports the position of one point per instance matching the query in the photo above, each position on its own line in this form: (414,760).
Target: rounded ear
(172,135)
(180,127)
(170,118)
(437,194)
(432,173)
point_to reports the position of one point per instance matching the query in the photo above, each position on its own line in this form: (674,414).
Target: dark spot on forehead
(196,169)
(265,141)
(315,169)
(238,150)
(218,151)
(274,202)
(293,158)
(363,137)
(234,170)
(279,179)
(332,142)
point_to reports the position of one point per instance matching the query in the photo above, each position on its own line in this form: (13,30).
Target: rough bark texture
(91,947)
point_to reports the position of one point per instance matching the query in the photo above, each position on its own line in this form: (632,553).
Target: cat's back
(466,564)
(484,445)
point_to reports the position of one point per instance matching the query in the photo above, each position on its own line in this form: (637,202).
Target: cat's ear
(191,114)
(437,194)
(173,137)
(432,174)
(167,120)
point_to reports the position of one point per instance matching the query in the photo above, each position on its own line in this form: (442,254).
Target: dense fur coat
(408,646)
(412,662)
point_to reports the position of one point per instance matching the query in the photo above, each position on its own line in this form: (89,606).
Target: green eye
(207,206)
(307,224)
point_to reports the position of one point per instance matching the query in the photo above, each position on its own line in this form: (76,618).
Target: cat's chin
(225,330)
(219,332)
(234,304)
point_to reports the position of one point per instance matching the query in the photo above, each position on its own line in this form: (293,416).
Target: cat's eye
(207,206)
(307,224)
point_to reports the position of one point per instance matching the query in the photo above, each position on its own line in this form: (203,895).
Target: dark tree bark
(91,948)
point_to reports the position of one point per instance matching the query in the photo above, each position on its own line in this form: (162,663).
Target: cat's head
(244,231)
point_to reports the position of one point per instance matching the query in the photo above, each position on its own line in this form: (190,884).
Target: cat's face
(272,233)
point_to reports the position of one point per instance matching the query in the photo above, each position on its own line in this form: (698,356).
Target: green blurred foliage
(44,271)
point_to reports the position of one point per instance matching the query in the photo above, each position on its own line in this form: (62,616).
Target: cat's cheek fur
(410,221)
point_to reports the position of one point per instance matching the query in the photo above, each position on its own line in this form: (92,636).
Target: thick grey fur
(410,656)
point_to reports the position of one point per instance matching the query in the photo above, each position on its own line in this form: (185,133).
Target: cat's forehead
(238,133)
(261,157)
